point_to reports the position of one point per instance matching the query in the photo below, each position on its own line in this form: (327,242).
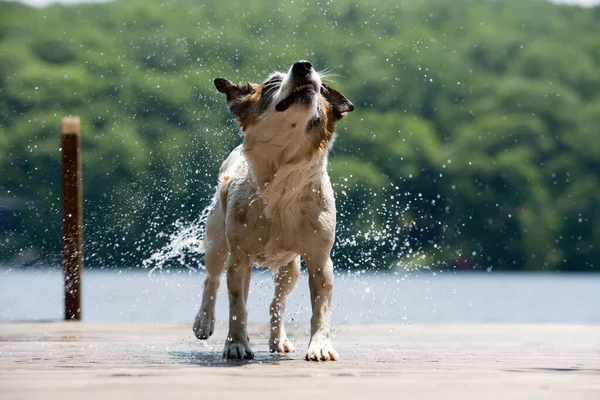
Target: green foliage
(475,135)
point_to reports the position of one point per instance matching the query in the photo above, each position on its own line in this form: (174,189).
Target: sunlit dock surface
(157,361)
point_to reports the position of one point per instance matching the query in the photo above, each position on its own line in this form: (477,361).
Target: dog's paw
(204,325)
(321,350)
(281,346)
(237,351)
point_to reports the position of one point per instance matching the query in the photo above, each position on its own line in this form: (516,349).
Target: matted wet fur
(274,204)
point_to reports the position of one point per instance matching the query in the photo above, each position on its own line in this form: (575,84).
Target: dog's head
(298,100)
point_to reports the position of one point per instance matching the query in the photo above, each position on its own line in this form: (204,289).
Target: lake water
(425,297)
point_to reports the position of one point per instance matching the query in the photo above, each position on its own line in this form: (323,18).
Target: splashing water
(380,245)
(187,240)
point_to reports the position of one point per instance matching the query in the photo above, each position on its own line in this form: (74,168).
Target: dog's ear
(232,90)
(340,104)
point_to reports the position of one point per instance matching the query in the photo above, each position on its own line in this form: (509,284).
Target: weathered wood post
(72,241)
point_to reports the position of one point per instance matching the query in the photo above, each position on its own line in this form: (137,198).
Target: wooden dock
(82,360)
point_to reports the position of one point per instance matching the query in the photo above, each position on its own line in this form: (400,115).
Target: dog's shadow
(215,359)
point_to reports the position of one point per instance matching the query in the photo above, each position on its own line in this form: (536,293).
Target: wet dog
(274,204)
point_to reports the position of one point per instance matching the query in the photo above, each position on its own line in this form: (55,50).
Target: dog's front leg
(238,277)
(285,279)
(320,281)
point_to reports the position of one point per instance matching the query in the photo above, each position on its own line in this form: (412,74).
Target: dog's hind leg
(285,279)
(215,258)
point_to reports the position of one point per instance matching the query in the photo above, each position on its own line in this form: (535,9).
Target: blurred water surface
(389,297)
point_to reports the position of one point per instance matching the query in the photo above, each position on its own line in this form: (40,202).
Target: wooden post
(72,241)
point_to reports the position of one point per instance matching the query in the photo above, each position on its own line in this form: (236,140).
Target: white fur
(274,203)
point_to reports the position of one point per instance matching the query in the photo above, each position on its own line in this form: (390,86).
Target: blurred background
(474,147)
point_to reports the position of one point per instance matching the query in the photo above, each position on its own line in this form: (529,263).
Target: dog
(274,203)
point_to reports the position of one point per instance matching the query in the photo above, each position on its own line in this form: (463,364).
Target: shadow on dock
(215,359)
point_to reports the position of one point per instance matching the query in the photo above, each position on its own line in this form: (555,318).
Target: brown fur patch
(247,108)
(334,106)
(223,190)
(322,133)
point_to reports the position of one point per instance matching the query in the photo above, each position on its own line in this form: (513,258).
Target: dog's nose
(301,68)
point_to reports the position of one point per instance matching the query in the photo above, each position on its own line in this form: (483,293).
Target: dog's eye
(273,80)
(271,84)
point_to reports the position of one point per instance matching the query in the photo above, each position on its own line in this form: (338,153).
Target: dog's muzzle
(303,85)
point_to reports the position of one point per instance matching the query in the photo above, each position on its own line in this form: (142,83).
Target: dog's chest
(278,211)
(275,241)
(298,228)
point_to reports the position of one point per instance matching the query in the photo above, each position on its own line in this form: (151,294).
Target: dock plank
(75,360)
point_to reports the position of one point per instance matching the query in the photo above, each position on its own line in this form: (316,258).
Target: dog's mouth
(301,85)
(302,93)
